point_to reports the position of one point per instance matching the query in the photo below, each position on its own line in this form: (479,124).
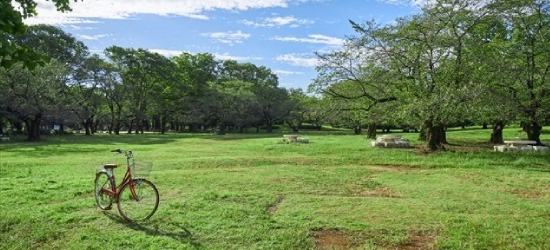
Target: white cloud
(286,72)
(226,56)
(228,37)
(90,10)
(93,37)
(76,27)
(316,38)
(418,3)
(167,53)
(298,60)
(290,21)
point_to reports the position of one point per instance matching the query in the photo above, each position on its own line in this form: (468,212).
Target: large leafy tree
(511,46)
(297,114)
(43,91)
(194,73)
(32,96)
(142,72)
(428,57)
(238,104)
(85,96)
(13,13)
(528,59)
(353,78)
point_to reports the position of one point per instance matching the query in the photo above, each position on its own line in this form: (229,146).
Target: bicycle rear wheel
(140,204)
(102,183)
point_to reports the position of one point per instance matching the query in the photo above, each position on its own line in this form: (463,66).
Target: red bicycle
(137,198)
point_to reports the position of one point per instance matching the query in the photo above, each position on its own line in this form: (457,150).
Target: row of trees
(458,60)
(483,61)
(138,90)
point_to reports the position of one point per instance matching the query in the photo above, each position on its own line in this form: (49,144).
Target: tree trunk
(357,129)
(371,131)
(18,127)
(443,133)
(533,130)
(496,136)
(130,127)
(162,124)
(269,127)
(484,126)
(87,126)
(293,127)
(435,136)
(221,129)
(33,128)
(94,126)
(423,134)
(117,128)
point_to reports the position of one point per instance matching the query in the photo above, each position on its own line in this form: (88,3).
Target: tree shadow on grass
(173,230)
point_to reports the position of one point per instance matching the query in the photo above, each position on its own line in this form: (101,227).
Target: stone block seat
(395,141)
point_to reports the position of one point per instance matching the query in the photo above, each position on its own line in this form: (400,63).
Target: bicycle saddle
(110,165)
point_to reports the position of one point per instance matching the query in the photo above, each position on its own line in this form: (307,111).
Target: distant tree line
(135,90)
(457,62)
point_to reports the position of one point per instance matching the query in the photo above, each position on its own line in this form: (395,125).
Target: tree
(110,84)
(31,96)
(84,92)
(238,104)
(274,104)
(528,59)
(248,72)
(427,55)
(143,73)
(194,74)
(354,78)
(12,25)
(42,90)
(297,114)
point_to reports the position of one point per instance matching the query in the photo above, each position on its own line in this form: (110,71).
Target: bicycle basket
(141,169)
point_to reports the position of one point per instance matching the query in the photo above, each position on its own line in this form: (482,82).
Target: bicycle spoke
(139,203)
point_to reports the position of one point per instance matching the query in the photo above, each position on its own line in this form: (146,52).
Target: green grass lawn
(247,191)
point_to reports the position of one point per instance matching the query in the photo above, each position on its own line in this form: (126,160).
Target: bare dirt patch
(278,180)
(341,239)
(534,194)
(273,207)
(382,192)
(334,239)
(394,169)
(419,240)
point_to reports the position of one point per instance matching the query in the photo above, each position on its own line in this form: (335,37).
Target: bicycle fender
(105,171)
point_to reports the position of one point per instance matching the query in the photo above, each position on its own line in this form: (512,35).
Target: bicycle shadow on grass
(179,232)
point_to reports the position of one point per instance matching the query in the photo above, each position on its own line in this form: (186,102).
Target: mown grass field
(247,191)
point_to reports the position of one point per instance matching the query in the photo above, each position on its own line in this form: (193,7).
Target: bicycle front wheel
(138,200)
(103,184)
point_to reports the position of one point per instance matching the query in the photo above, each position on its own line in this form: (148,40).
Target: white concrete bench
(520,145)
(296,138)
(390,141)
(291,138)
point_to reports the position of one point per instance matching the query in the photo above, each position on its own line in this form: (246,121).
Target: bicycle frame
(127,178)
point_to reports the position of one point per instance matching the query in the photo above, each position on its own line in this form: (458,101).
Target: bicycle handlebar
(128,153)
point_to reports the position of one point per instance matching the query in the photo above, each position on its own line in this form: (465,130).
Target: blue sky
(280,34)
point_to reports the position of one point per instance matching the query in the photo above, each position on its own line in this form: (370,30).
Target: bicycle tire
(144,206)
(103,181)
